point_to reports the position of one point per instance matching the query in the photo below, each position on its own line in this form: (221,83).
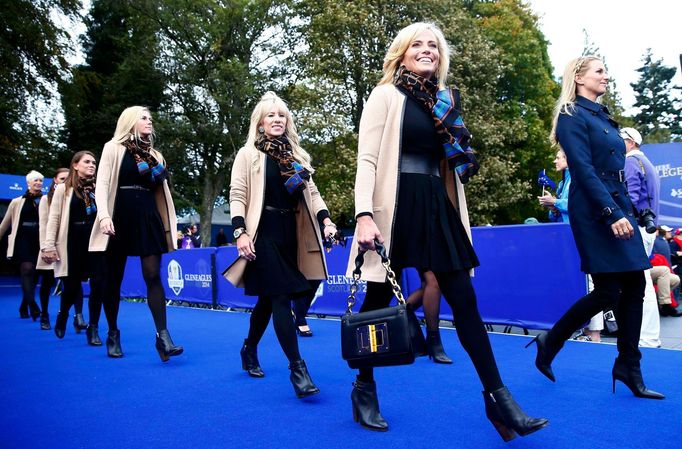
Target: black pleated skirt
(26,244)
(428,234)
(275,270)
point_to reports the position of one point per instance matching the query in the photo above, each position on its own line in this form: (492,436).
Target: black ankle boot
(300,379)
(250,362)
(165,346)
(114,344)
(45,321)
(92,333)
(507,417)
(35,310)
(23,310)
(79,323)
(546,353)
(366,406)
(434,348)
(60,325)
(631,376)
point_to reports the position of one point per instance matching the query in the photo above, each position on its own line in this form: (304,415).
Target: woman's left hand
(547,200)
(329,232)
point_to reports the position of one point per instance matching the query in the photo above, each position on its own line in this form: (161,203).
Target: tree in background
(32,59)
(659,111)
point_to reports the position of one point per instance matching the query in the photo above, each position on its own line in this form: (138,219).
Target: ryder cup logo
(175,280)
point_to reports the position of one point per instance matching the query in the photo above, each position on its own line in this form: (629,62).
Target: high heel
(250,363)
(114,344)
(35,310)
(631,376)
(165,346)
(92,333)
(366,406)
(23,310)
(300,379)
(434,348)
(60,325)
(45,321)
(543,360)
(507,417)
(304,333)
(79,323)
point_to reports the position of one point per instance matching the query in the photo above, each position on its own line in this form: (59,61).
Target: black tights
(460,295)
(280,308)
(626,290)
(302,305)
(27,271)
(46,284)
(156,296)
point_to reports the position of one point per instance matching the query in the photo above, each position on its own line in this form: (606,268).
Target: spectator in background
(179,236)
(195,236)
(221,238)
(662,274)
(187,242)
(558,207)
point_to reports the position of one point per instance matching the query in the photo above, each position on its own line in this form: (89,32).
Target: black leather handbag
(384,337)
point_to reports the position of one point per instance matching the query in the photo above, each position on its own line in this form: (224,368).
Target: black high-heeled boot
(35,310)
(165,346)
(507,417)
(300,379)
(250,363)
(60,325)
(79,323)
(23,310)
(114,344)
(631,376)
(45,321)
(366,406)
(92,333)
(546,353)
(434,348)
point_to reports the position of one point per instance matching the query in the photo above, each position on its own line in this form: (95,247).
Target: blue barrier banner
(529,276)
(12,186)
(667,158)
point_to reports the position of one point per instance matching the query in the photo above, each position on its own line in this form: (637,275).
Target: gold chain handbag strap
(390,274)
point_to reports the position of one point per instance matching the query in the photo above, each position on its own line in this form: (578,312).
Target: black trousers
(624,290)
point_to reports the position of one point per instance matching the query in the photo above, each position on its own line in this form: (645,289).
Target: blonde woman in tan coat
(23,243)
(72,217)
(135,217)
(413,157)
(45,269)
(277,213)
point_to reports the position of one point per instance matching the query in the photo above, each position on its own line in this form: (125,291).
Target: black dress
(428,233)
(82,263)
(27,241)
(275,270)
(137,223)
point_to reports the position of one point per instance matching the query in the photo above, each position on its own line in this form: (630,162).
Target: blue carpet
(65,394)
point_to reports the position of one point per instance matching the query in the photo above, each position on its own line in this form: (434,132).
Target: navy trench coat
(598,195)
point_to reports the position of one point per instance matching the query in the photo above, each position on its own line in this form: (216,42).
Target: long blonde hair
(126,125)
(566,102)
(401,43)
(264,106)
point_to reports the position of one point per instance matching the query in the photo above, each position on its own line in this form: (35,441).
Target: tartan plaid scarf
(280,150)
(146,162)
(86,191)
(445,107)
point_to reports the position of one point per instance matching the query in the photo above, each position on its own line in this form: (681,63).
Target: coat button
(612,151)
(606,131)
(630,214)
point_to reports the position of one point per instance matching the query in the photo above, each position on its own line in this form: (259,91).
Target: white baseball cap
(666,228)
(632,134)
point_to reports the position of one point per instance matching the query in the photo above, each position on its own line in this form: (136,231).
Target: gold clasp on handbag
(372,338)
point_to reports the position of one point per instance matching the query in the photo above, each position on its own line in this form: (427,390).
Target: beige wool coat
(378,174)
(43,215)
(57,232)
(247,192)
(105,197)
(12,217)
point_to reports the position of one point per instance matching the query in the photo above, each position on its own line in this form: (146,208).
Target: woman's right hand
(245,247)
(622,229)
(107,226)
(367,232)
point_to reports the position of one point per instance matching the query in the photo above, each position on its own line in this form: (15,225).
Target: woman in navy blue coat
(602,220)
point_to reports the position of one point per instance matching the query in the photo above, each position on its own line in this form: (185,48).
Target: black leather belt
(614,175)
(419,163)
(278,210)
(81,223)
(30,224)
(133,187)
